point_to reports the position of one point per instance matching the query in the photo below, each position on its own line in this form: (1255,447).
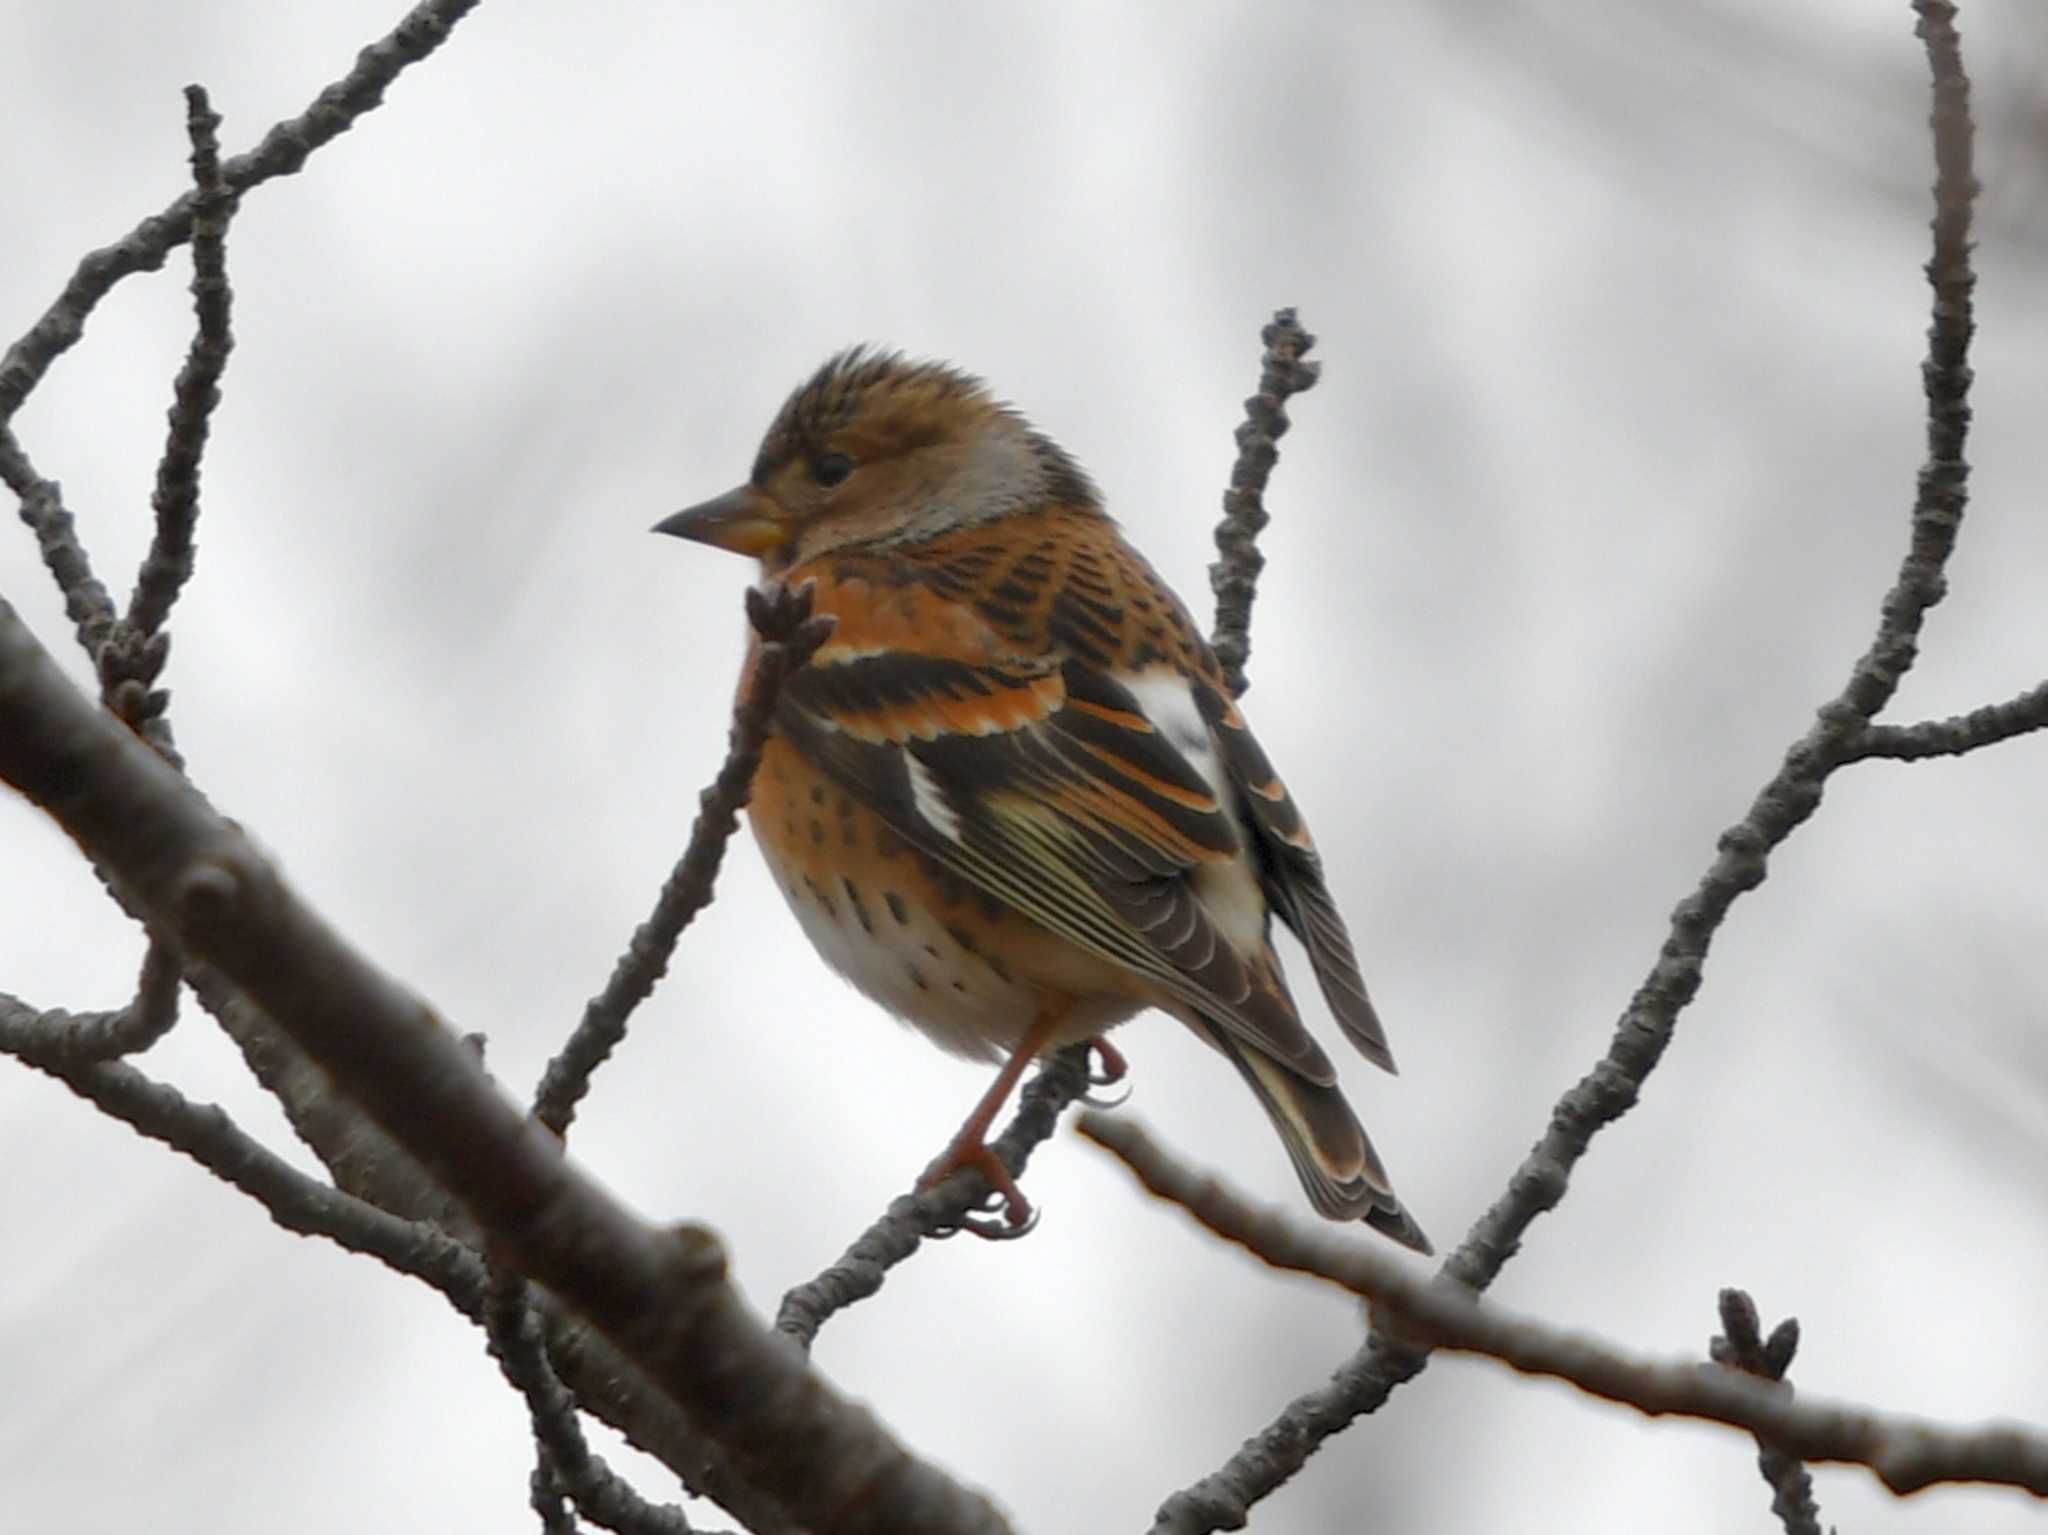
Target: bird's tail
(1328,1146)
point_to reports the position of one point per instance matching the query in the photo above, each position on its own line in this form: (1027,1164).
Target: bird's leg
(969,1146)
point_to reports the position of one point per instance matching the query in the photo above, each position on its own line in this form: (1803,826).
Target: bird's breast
(964,968)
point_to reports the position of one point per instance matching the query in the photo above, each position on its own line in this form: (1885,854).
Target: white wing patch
(1168,701)
(1229,892)
(929,800)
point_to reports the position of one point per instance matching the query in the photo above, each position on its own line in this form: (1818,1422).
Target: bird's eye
(833,469)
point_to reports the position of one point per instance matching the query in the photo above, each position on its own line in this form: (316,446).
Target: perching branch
(912,1218)
(1436,1313)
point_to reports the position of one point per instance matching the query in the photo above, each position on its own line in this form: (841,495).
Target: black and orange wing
(1043,778)
(1291,871)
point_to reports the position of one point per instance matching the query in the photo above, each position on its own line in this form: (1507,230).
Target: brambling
(1011,798)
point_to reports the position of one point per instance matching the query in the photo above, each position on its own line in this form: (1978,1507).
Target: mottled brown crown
(878,404)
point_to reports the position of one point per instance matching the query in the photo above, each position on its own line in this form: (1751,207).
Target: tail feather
(1332,1156)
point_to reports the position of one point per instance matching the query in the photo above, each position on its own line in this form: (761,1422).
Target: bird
(1011,797)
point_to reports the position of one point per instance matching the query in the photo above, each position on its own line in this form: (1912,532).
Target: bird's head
(874,451)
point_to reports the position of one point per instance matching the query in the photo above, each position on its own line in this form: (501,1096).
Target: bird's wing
(1292,871)
(1044,773)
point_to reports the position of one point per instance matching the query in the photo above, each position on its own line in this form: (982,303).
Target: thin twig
(358,1155)
(788,635)
(284,151)
(1741,1345)
(513,1337)
(129,653)
(1364,1381)
(206,1134)
(1284,372)
(1955,735)
(913,1218)
(1906,1454)
(86,602)
(566,1467)
(168,565)
(54,1035)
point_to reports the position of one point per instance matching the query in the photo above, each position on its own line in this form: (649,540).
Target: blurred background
(1621,313)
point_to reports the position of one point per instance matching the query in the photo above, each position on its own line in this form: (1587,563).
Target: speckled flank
(913,936)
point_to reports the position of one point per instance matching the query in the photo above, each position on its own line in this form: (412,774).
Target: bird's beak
(744,520)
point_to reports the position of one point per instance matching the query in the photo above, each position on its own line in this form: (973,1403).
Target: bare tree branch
(211,1138)
(129,667)
(1742,1346)
(390,1184)
(788,634)
(566,1465)
(1955,735)
(86,602)
(1437,1313)
(662,1297)
(129,657)
(168,565)
(283,152)
(52,1034)
(1363,1382)
(1283,373)
(129,653)
(380,1173)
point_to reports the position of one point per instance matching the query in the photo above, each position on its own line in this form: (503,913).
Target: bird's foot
(1004,1214)
(1106,1068)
